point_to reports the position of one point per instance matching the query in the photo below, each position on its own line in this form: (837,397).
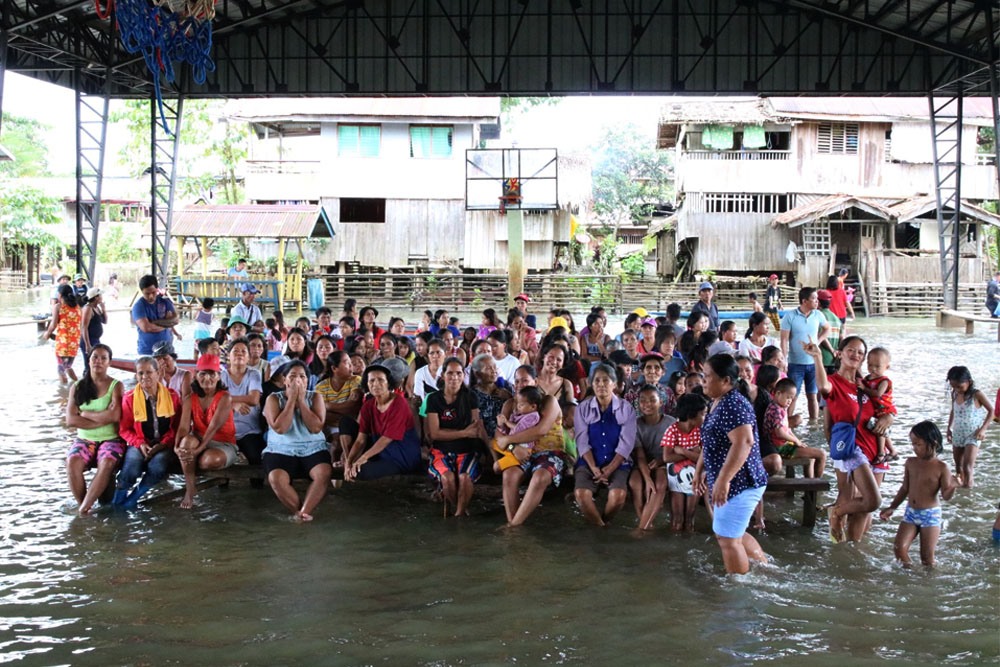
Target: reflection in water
(380,576)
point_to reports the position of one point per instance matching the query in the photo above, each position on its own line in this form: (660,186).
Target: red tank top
(202,419)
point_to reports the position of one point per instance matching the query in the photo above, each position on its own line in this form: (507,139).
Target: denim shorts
(731,519)
(799,372)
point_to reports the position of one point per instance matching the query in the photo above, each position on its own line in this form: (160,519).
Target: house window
(838,138)
(362,210)
(431,141)
(359,140)
(742,202)
(888,145)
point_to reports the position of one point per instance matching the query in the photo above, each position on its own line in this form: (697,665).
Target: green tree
(24,138)
(208,155)
(26,214)
(629,175)
(117,245)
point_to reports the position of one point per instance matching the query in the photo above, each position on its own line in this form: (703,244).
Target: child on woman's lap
(924,477)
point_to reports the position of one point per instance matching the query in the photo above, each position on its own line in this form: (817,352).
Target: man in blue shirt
(154,315)
(993,294)
(705,305)
(806,324)
(239,271)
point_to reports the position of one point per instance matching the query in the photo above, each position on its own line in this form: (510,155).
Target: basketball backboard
(492,173)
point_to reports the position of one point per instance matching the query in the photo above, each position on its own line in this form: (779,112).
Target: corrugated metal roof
(976,110)
(827,206)
(911,209)
(330,109)
(736,110)
(262,221)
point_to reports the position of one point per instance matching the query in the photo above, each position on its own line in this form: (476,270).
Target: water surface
(380,577)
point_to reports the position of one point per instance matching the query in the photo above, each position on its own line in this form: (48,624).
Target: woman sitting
(150,414)
(206,435)
(341,393)
(94,409)
(605,427)
(386,441)
(244,385)
(455,433)
(296,446)
(172,375)
(489,396)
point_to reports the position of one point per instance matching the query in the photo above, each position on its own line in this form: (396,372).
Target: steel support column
(946,132)
(91,135)
(3,66)
(163,180)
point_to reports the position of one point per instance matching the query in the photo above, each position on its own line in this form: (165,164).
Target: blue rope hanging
(163,37)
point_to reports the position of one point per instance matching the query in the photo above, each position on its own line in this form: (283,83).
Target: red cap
(522,297)
(208,362)
(824,295)
(774,276)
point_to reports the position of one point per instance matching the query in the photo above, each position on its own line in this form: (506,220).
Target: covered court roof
(260,220)
(287,48)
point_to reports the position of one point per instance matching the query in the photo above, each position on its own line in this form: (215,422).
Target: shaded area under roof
(829,205)
(910,209)
(260,220)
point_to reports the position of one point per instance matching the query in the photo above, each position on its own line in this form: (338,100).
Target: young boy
(782,436)
(754,304)
(203,321)
(648,479)
(924,476)
(324,326)
(878,388)
(209,346)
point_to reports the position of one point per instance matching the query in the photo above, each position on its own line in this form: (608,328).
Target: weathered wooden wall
(736,241)
(927,269)
(431,230)
(486,239)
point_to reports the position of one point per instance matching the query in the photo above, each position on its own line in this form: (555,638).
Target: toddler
(777,430)
(203,320)
(924,477)
(877,387)
(528,400)
(681,446)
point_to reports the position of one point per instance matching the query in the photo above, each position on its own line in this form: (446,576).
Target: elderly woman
(150,414)
(605,428)
(490,398)
(296,446)
(543,463)
(454,430)
(857,486)
(206,435)
(733,471)
(94,409)
(386,442)
(172,375)
(65,322)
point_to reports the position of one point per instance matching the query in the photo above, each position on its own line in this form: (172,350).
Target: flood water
(380,577)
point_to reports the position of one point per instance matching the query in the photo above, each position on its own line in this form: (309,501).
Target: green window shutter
(420,141)
(348,140)
(370,140)
(441,141)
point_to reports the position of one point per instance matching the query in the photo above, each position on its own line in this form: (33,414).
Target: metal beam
(83,4)
(163,181)
(946,134)
(3,68)
(91,140)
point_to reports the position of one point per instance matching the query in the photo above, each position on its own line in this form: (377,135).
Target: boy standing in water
(924,476)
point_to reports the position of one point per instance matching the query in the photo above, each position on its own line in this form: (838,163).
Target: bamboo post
(281,271)
(204,258)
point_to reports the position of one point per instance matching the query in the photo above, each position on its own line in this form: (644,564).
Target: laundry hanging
(721,137)
(753,136)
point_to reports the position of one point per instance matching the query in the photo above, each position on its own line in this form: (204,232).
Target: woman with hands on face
(296,446)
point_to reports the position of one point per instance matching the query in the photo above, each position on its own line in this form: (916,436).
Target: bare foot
(188,501)
(86,511)
(836,524)
(303,516)
(689,527)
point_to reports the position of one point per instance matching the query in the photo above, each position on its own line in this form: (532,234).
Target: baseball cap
(164,348)
(773,276)
(824,295)
(208,362)
(650,356)
(78,276)
(94,292)
(705,285)
(236,319)
(522,297)
(278,362)
(559,322)
(249,287)
(648,322)
(641,312)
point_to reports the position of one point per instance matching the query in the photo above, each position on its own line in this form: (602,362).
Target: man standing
(153,315)
(993,294)
(705,305)
(772,301)
(805,324)
(246,307)
(63,280)
(80,286)
(239,271)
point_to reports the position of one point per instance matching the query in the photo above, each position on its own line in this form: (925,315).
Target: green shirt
(101,433)
(833,337)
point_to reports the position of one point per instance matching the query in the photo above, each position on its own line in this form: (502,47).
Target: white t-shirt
(748,349)
(506,367)
(423,377)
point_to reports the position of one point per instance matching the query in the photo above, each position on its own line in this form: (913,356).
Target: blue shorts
(927,518)
(732,519)
(799,372)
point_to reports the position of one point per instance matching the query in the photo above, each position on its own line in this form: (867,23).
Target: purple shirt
(588,412)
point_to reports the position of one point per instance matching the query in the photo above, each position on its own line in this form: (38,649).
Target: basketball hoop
(509,200)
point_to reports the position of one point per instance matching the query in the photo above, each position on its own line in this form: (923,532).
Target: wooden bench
(810,487)
(955,319)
